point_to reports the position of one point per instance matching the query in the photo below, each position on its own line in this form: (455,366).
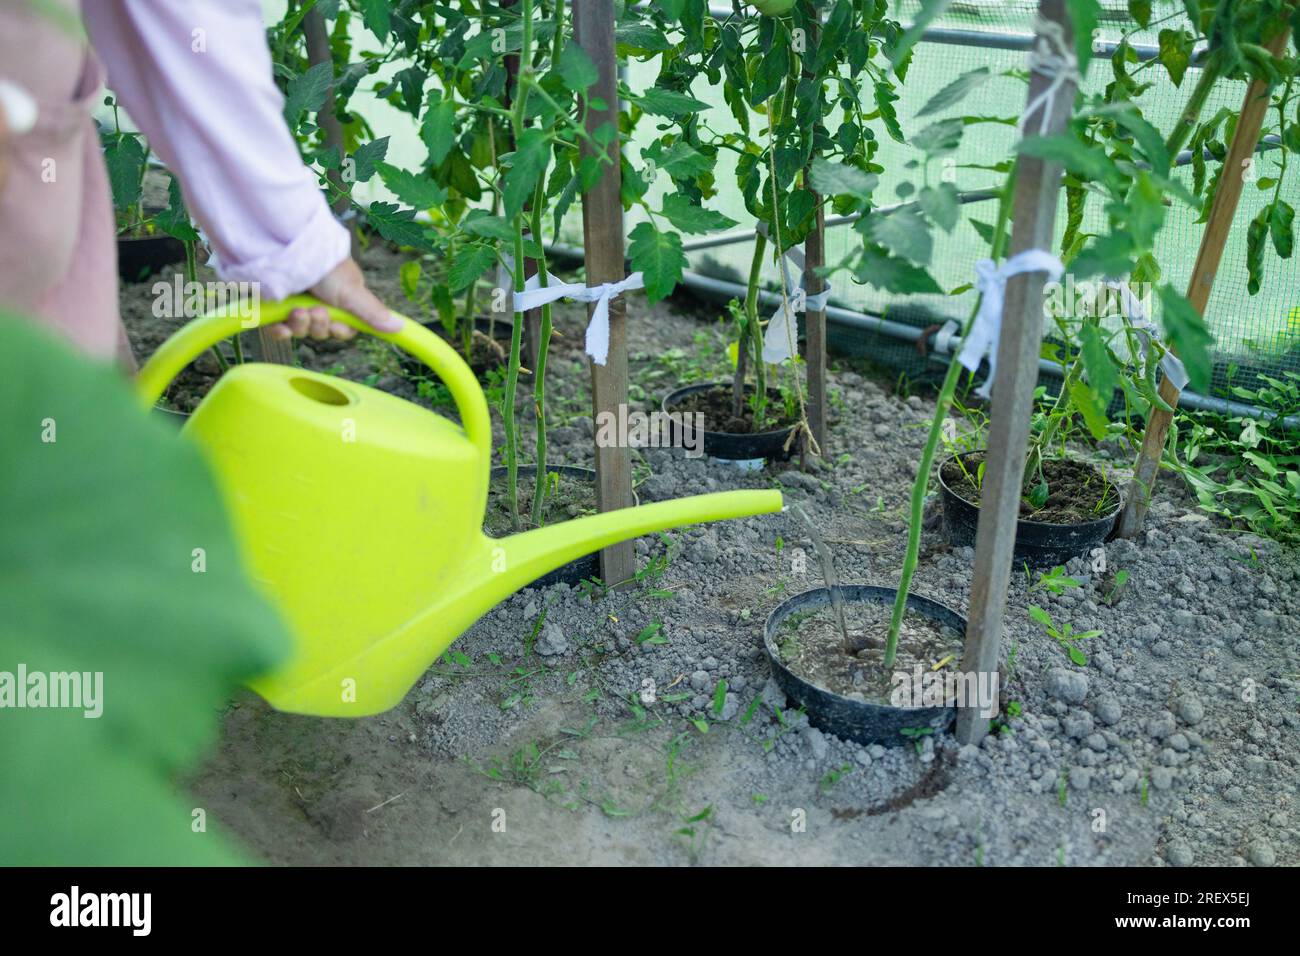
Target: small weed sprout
(1064,634)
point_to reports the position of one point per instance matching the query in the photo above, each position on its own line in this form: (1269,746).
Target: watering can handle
(198,335)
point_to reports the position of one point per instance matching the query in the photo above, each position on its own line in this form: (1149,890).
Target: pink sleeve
(196,78)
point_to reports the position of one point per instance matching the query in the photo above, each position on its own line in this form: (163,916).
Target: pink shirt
(196,78)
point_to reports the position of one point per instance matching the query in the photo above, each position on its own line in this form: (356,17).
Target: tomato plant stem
(922,483)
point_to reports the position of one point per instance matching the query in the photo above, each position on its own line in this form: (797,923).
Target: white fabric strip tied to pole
(778,338)
(1137,317)
(991,283)
(1053,58)
(535,295)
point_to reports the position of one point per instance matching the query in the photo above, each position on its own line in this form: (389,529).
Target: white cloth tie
(779,335)
(991,283)
(1135,314)
(535,295)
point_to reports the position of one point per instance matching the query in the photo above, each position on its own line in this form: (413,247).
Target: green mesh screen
(1252,332)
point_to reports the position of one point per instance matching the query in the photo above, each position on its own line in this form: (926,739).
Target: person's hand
(344,288)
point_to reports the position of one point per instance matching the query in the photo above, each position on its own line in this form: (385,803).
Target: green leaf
(885,100)
(658,255)
(1085,162)
(683,161)
(470,263)
(375,15)
(1103,377)
(940,138)
(1084,15)
(306,92)
(367,157)
(1256,237)
(439,131)
(1176,53)
(175,219)
(1281,226)
(414,190)
(641,38)
(409,274)
(482,223)
(1110,256)
(903,232)
(1186,332)
(892,274)
(527,164)
(399,226)
(689,217)
(669,103)
(942,204)
(1089,405)
(719,698)
(956,91)
(1140,10)
(124,156)
(576,69)
(836,179)
(106,583)
(1041,616)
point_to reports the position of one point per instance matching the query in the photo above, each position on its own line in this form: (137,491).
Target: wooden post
(602,234)
(1037,191)
(327,117)
(1215,237)
(814,252)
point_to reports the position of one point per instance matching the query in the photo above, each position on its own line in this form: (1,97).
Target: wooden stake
(327,117)
(1226,198)
(602,233)
(1037,191)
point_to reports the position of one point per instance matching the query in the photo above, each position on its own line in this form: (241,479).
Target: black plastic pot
(139,257)
(842,716)
(1038,543)
(580,569)
(729,446)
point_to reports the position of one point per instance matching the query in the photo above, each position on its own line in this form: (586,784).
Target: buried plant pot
(497,523)
(857,715)
(721,441)
(1041,542)
(139,257)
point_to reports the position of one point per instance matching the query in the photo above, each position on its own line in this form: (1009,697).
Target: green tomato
(773,8)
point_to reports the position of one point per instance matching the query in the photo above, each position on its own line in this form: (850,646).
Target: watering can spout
(528,556)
